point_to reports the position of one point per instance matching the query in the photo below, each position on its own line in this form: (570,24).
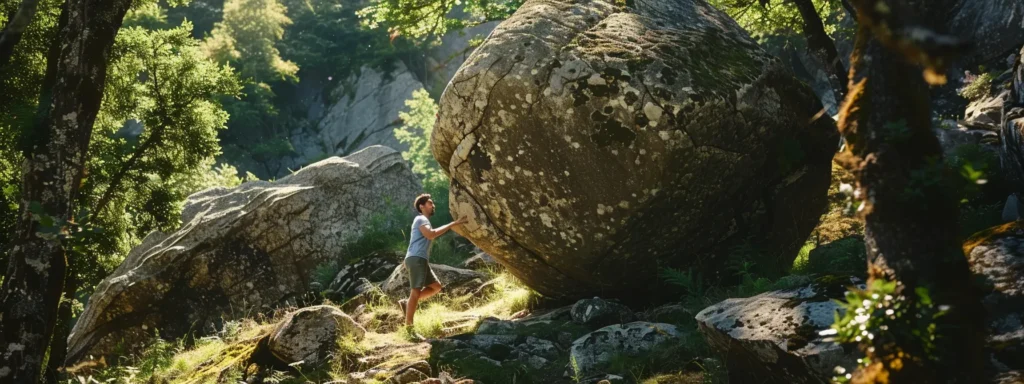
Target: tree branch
(15,29)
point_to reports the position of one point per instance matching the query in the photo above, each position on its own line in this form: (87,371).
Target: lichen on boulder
(591,142)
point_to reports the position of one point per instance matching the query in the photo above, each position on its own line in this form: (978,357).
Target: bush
(979,88)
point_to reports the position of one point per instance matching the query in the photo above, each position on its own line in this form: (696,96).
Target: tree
(21,84)
(785,17)
(247,38)
(136,184)
(55,159)
(15,28)
(423,20)
(416,130)
(326,40)
(921,321)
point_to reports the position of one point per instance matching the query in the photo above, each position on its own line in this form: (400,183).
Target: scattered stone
(597,312)
(310,335)
(351,279)
(592,351)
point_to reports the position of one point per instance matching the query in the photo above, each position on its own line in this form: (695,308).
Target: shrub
(979,88)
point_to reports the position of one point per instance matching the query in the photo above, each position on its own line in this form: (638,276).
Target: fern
(689,280)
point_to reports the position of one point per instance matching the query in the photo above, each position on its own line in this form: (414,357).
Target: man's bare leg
(430,290)
(410,306)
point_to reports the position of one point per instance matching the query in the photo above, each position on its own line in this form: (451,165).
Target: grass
(223,358)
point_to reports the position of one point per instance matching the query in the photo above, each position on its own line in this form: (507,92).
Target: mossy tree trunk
(55,156)
(910,211)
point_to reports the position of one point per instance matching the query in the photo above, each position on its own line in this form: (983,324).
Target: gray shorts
(420,274)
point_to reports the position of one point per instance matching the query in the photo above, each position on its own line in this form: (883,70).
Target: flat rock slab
(773,337)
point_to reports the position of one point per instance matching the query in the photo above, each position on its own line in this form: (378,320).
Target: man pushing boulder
(423,283)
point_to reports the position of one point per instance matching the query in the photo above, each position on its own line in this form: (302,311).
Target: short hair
(420,200)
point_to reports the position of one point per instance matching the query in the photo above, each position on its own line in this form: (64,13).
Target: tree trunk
(15,28)
(59,340)
(51,176)
(911,215)
(821,46)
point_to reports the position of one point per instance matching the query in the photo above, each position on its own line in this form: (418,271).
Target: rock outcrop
(310,335)
(997,256)
(239,250)
(773,337)
(1012,150)
(588,138)
(992,26)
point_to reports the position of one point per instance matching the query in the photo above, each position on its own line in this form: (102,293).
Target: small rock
(539,347)
(592,351)
(598,312)
(310,334)
(495,326)
(417,371)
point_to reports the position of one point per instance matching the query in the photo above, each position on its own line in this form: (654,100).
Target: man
(422,281)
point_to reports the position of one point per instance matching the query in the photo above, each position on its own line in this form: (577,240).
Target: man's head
(424,205)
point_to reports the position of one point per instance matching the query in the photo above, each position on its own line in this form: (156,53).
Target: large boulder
(773,337)
(589,138)
(310,335)
(239,250)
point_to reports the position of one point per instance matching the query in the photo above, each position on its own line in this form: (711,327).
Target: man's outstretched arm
(431,233)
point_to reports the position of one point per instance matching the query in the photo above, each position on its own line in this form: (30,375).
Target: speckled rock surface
(587,138)
(240,251)
(593,350)
(992,26)
(997,256)
(597,312)
(773,337)
(310,335)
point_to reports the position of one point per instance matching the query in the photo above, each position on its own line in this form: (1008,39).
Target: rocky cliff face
(240,251)
(362,110)
(629,136)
